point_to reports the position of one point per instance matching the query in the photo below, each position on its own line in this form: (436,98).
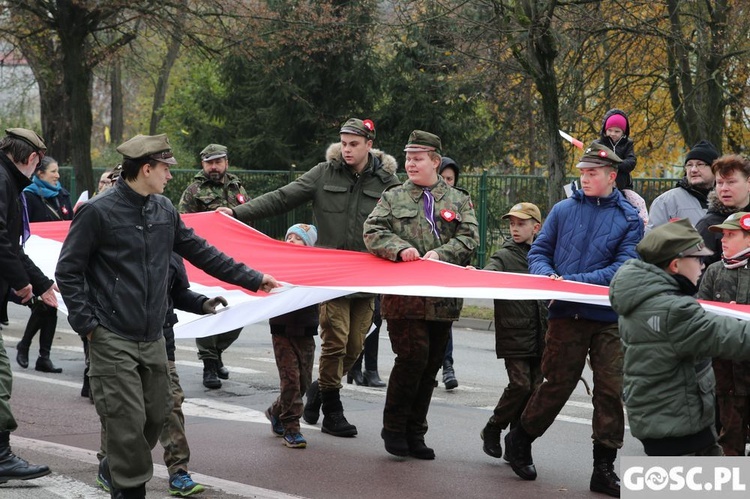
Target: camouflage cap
(672,240)
(597,155)
(28,136)
(154,147)
(421,141)
(355,126)
(735,221)
(213,151)
(525,211)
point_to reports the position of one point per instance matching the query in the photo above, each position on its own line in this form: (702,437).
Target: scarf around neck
(42,188)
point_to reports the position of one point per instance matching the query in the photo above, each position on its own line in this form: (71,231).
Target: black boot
(311,413)
(356,377)
(221,371)
(449,376)
(210,375)
(86,387)
(372,378)
(13,467)
(518,453)
(43,364)
(604,479)
(131,493)
(22,356)
(417,447)
(395,443)
(334,422)
(48,324)
(491,436)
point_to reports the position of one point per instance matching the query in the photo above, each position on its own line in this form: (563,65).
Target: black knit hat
(704,151)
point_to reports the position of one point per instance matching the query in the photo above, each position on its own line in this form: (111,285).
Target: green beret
(148,146)
(735,221)
(597,155)
(420,141)
(213,151)
(28,136)
(355,126)
(672,240)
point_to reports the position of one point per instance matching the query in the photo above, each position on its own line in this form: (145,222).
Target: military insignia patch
(240,199)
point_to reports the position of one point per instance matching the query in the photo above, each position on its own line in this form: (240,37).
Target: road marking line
(160,471)
(232,369)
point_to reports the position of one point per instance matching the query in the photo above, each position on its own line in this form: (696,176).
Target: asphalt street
(235,454)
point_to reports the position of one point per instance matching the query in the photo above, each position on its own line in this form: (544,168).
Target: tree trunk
(160,92)
(117,120)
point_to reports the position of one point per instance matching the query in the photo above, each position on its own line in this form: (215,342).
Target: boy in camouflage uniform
(293,337)
(213,187)
(728,281)
(424,218)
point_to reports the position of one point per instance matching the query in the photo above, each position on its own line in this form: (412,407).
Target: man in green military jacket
(343,189)
(211,188)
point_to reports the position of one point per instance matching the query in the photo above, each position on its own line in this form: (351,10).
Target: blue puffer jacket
(586,239)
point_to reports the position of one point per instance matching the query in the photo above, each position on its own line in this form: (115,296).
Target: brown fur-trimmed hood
(387,162)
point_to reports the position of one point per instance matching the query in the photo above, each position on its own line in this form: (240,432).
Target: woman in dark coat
(46,201)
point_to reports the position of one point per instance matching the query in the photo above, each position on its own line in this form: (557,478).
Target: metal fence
(493,195)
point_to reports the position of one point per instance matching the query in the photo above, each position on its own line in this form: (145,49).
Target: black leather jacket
(114,263)
(16,268)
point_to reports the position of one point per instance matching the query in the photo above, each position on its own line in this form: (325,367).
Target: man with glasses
(20,152)
(689,199)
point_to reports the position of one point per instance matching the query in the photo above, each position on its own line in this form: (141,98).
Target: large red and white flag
(312,275)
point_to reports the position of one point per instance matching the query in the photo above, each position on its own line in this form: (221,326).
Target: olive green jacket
(668,339)
(398,222)
(341,199)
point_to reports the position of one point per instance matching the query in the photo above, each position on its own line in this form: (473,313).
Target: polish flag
(311,275)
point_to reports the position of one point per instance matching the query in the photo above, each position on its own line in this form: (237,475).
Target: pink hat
(616,120)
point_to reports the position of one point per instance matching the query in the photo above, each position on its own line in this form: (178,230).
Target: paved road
(235,454)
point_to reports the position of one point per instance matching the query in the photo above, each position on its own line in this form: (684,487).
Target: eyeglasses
(697,165)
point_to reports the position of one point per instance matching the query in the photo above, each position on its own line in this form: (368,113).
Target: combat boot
(417,447)
(210,375)
(518,453)
(604,479)
(221,371)
(490,435)
(311,413)
(13,467)
(395,442)
(334,422)
(449,376)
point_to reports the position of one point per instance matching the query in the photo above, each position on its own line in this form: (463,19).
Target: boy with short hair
(727,281)
(668,339)
(519,328)
(294,348)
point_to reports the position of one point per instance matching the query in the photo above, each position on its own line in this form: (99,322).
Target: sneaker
(102,477)
(295,441)
(276,426)
(180,484)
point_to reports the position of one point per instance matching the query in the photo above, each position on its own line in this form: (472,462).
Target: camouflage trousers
(567,343)
(524,376)
(294,359)
(343,326)
(419,346)
(172,438)
(734,412)
(210,347)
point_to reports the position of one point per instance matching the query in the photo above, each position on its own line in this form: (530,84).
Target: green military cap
(735,221)
(672,240)
(28,136)
(213,151)
(355,126)
(597,155)
(148,146)
(420,141)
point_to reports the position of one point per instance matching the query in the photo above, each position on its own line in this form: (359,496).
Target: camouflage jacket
(341,199)
(206,195)
(722,284)
(398,223)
